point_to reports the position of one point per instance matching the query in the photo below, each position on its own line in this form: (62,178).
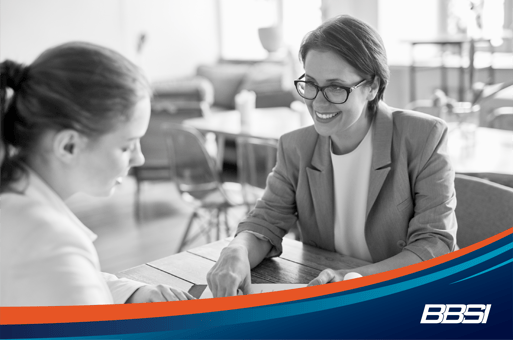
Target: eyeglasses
(335,94)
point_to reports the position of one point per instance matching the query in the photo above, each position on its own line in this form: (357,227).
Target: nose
(320,100)
(137,157)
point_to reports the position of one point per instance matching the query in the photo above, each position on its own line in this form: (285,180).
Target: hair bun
(15,73)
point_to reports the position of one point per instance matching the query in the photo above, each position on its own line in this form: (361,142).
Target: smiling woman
(72,125)
(366,180)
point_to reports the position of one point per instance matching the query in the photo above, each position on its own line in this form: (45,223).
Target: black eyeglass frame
(323,88)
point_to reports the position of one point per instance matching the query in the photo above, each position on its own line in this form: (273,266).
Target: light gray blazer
(411,198)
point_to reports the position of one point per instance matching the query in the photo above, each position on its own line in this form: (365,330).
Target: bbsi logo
(455,313)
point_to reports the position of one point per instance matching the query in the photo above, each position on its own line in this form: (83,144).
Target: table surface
(485,150)
(261,123)
(488,150)
(298,264)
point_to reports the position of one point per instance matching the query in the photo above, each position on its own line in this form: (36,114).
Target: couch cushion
(225,79)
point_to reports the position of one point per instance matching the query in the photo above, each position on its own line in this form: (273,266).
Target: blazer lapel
(381,154)
(320,179)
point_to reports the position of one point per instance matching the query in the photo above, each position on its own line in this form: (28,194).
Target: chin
(104,192)
(323,131)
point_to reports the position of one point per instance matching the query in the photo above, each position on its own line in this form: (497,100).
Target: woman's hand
(230,273)
(330,275)
(158,293)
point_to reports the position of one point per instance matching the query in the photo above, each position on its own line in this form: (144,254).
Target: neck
(53,176)
(348,140)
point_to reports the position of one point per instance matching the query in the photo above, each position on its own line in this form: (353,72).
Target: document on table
(257,288)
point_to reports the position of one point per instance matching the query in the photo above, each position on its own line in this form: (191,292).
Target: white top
(47,256)
(351,174)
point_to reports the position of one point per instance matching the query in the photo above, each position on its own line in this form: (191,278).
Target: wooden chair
(256,158)
(197,179)
(483,209)
(153,145)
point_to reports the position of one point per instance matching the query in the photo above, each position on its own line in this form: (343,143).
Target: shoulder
(415,123)
(300,138)
(31,226)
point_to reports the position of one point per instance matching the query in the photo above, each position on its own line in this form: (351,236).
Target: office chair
(483,209)
(197,179)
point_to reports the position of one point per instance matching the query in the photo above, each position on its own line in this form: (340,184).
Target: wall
(27,27)
(180,34)
(366,10)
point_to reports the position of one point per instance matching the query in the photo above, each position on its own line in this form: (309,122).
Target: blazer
(48,256)
(410,201)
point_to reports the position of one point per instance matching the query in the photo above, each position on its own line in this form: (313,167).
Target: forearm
(256,248)
(404,258)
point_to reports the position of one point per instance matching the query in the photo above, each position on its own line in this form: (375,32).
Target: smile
(326,116)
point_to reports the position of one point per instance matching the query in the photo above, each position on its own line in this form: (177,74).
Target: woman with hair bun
(72,124)
(366,180)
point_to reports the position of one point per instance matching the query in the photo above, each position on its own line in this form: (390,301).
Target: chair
(164,109)
(492,97)
(502,118)
(197,178)
(256,158)
(483,209)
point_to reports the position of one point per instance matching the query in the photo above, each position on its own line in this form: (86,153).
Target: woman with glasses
(72,124)
(366,180)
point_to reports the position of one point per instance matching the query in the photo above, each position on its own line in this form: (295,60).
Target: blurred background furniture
(491,98)
(460,43)
(483,209)
(256,158)
(502,118)
(172,101)
(266,123)
(197,179)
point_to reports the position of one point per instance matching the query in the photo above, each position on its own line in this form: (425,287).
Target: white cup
(245,103)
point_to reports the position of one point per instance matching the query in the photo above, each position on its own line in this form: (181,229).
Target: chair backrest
(256,158)
(502,118)
(192,168)
(483,209)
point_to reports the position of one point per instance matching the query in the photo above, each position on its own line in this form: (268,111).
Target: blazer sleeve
(432,230)
(276,212)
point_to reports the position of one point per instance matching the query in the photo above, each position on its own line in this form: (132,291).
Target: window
(240,21)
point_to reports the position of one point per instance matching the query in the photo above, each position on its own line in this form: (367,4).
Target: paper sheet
(257,288)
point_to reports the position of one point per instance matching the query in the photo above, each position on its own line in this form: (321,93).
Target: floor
(124,242)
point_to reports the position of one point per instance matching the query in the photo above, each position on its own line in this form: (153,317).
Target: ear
(374,89)
(67,144)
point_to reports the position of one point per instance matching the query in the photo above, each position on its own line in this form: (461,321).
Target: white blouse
(47,256)
(351,175)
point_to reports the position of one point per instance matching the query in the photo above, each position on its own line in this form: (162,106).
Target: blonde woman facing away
(72,125)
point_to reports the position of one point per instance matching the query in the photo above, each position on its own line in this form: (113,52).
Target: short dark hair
(357,43)
(77,85)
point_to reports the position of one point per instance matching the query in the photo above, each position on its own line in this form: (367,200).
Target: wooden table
(487,151)
(298,264)
(266,123)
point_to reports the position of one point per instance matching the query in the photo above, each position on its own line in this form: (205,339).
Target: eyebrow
(328,80)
